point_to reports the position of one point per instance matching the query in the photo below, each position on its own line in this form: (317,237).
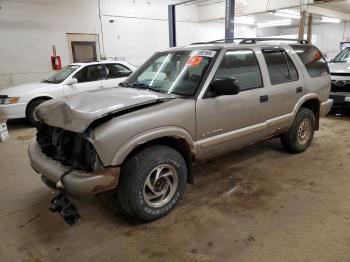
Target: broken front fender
(77,184)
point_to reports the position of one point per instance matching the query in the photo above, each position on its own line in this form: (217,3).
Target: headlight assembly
(8,100)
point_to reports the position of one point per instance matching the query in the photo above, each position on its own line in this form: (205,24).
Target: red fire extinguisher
(55,60)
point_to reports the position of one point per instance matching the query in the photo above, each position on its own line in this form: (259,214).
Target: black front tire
(134,174)
(30,111)
(295,141)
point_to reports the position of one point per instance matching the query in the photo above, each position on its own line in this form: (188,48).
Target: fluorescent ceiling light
(326,19)
(245,20)
(288,13)
(275,23)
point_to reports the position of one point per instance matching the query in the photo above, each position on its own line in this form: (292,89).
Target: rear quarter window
(280,66)
(313,60)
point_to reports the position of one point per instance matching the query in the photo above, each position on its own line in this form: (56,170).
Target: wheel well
(36,99)
(177,143)
(314,106)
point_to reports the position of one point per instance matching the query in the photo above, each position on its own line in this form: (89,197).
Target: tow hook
(62,205)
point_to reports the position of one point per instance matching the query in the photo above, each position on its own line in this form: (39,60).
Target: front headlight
(8,100)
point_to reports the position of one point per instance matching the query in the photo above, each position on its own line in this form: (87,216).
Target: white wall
(137,39)
(29,29)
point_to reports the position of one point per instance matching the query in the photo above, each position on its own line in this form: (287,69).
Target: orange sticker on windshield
(194,61)
(317,56)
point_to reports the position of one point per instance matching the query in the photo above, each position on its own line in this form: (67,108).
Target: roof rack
(253,40)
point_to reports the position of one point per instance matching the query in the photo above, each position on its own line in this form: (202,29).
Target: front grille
(68,148)
(338,86)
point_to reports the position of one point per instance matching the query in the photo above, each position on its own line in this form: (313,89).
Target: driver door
(229,122)
(89,78)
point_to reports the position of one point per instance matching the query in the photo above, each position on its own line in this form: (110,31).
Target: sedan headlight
(8,100)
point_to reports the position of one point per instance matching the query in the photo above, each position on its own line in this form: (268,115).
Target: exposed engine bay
(66,147)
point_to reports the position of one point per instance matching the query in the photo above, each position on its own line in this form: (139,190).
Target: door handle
(264,99)
(299,89)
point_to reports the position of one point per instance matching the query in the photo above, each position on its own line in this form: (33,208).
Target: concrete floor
(257,204)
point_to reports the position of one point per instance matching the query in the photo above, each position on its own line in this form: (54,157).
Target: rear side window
(280,66)
(313,60)
(243,66)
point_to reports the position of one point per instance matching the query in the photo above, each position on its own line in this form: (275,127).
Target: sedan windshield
(61,75)
(343,56)
(179,72)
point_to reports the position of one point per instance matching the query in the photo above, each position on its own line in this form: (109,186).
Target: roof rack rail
(253,40)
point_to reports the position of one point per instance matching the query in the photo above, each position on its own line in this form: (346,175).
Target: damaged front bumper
(77,184)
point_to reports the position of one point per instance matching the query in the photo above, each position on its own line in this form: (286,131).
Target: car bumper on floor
(13,111)
(341,99)
(77,184)
(326,107)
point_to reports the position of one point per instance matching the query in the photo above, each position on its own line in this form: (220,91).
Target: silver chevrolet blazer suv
(184,104)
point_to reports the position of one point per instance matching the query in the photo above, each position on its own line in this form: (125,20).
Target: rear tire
(30,111)
(300,134)
(152,182)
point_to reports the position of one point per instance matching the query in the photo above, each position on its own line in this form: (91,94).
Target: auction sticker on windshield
(204,53)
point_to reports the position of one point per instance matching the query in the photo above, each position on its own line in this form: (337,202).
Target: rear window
(280,66)
(313,60)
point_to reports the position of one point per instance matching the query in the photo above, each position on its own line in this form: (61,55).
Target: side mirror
(72,81)
(224,87)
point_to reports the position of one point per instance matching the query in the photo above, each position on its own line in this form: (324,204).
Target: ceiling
(329,7)
(336,5)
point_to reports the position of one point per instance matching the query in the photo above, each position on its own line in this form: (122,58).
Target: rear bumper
(77,184)
(13,111)
(325,107)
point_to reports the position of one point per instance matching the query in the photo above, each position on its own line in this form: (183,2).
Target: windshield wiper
(141,85)
(144,86)
(49,82)
(125,84)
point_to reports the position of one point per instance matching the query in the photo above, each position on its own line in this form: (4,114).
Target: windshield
(343,56)
(61,75)
(179,72)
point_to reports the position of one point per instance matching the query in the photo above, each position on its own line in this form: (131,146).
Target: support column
(229,20)
(309,28)
(302,25)
(172,25)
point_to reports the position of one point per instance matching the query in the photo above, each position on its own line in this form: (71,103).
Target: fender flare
(303,99)
(168,131)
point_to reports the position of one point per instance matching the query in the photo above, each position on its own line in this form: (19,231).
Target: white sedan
(20,101)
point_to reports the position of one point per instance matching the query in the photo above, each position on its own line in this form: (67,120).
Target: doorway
(84,51)
(83,47)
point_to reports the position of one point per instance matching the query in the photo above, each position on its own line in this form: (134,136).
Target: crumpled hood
(77,112)
(339,67)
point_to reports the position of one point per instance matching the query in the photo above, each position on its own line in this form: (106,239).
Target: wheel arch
(45,97)
(177,139)
(312,102)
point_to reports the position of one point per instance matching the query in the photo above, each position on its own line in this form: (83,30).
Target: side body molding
(149,135)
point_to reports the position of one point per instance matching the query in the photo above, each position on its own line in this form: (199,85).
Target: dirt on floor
(256,204)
